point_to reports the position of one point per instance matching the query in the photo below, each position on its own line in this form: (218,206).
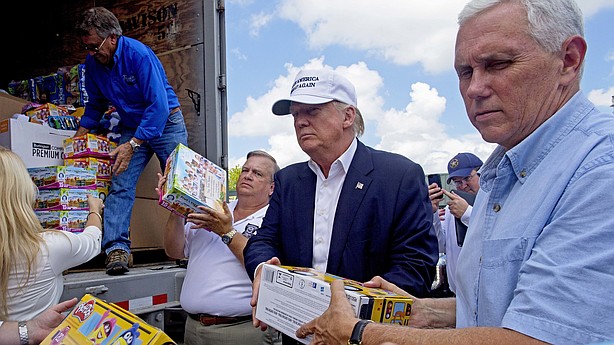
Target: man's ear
(574,51)
(349,114)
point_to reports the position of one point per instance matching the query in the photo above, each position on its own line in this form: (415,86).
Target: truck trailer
(189,38)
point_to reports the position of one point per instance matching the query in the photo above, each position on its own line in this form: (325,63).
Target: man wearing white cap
(350,210)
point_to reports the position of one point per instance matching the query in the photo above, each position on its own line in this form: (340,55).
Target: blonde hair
(20,240)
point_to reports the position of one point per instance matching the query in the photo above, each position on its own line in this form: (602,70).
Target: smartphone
(434,178)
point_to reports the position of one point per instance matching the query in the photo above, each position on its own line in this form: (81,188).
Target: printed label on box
(192,181)
(94,321)
(291,296)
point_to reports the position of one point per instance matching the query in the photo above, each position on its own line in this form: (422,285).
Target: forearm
(174,237)
(434,313)
(237,245)
(9,333)
(376,333)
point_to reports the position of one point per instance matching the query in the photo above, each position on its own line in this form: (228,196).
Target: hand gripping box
(192,181)
(94,321)
(291,296)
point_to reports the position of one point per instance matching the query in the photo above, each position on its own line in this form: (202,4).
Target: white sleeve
(68,249)
(467,215)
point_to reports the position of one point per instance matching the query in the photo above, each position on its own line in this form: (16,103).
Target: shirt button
(523,173)
(496,207)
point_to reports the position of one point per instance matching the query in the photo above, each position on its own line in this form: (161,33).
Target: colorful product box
(87,145)
(291,296)
(50,88)
(94,321)
(192,181)
(42,113)
(67,220)
(102,189)
(61,176)
(102,166)
(63,199)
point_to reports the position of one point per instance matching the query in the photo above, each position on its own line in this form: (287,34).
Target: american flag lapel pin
(359,185)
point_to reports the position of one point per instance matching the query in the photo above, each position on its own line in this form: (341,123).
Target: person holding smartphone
(451,222)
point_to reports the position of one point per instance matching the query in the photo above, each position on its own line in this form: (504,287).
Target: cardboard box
(67,220)
(61,176)
(148,181)
(102,166)
(94,321)
(10,105)
(63,199)
(291,296)
(35,144)
(192,181)
(88,145)
(147,224)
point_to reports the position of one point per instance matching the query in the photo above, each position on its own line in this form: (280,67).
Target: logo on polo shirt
(250,230)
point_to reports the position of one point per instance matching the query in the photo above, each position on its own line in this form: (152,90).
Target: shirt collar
(344,160)
(529,153)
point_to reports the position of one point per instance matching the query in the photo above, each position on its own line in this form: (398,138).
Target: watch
(356,338)
(135,145)
(227,237)
(23,333)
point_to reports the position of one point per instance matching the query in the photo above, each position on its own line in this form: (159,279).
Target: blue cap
(462,164)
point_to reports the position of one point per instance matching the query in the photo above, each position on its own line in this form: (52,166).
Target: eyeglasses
(94,49)
(464,180)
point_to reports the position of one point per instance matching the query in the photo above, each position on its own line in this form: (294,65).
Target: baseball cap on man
(317,87)
(462,164)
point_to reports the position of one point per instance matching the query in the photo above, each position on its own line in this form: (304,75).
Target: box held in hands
(291,296)
(192,181)
(94,321)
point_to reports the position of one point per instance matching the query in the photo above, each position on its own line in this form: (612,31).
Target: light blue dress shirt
(539,253)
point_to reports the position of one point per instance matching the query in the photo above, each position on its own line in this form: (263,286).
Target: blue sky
(398,54)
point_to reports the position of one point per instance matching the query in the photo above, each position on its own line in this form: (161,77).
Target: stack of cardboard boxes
(62,199)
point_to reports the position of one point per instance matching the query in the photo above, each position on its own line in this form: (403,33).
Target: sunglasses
(94,49)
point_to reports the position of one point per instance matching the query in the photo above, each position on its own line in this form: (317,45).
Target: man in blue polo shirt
(127,74)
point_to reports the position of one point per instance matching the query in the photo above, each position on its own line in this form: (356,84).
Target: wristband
(23,333)
(96,213)
(356,338)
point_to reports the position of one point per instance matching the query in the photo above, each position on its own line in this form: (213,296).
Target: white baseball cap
(317,87)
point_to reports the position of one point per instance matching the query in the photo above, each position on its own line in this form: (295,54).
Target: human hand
(44,323)
(161,182)
(122,154)
(212,220)
(419,317)
(436,195)
(256,289)
(457,204)
(335,325)
(95,204)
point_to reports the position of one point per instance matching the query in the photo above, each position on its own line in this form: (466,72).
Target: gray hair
(260,153)
(359,124)
(551,22)
(103,21)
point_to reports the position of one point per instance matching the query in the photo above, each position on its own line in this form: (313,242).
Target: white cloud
(417,133)
(404,32)
(602,97)
(590,7)
(258,21)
